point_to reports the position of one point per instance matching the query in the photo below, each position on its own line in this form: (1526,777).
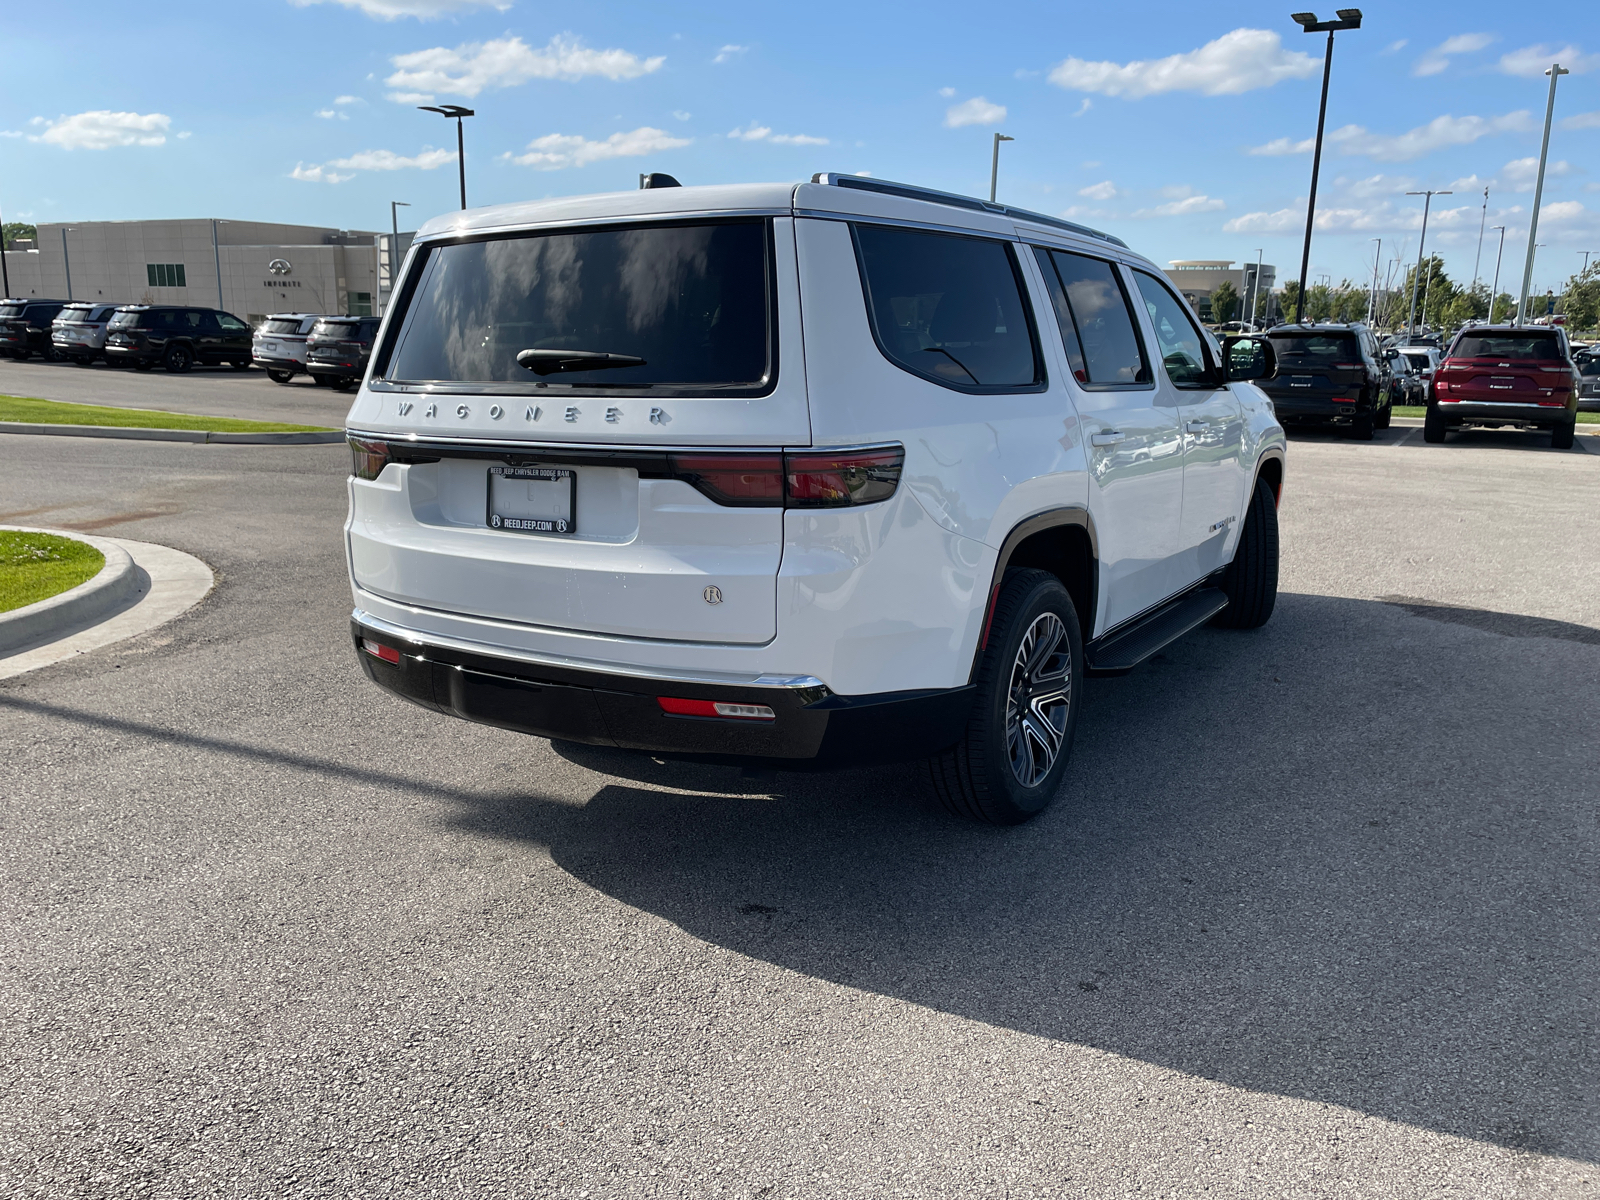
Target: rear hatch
(581,429)
(339,341)
(1317,366)
(1516,366)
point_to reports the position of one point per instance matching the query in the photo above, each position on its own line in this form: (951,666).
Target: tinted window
(1182,349)
(948,308)
(280,327)
(76,316)
(1524,346)
(339,330)
(690,300)
(1315,349)
(231,323)
(1096,320)
(10,310)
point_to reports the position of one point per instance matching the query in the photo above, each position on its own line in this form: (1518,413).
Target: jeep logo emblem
(279,266)
(713,594)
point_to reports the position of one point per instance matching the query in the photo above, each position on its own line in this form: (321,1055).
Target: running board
(1127,648)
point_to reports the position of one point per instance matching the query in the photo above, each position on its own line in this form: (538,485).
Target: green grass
(1417,410)
(56,412)
(36,566)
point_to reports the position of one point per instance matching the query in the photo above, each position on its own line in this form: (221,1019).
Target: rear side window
(1523,347)
(280,328)
(949,308)
(683,306)
(1182,348)
(1315,349)
(231,323)
(1096,319)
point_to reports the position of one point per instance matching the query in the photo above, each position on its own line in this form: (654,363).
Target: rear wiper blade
(548,362)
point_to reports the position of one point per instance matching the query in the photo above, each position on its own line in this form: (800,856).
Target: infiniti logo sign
(279,266)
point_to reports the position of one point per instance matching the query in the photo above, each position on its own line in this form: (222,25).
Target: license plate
(1301,380)
(533,500)
(269,347)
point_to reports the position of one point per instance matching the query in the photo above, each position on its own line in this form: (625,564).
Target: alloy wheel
(1039,699)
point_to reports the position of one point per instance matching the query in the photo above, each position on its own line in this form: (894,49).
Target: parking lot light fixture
(457,112)
(994,164)
(1416,276)
(1348,18)
(1555,72)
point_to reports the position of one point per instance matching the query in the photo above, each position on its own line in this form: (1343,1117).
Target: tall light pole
(1494,288)
(216,253)
(1255,292)
(994,164)
(1477,258)
(1372,299)
(1349,18)
(1555,72)
(457,112)
(5,274)
(66,261)
(1411,319)
(1586,254)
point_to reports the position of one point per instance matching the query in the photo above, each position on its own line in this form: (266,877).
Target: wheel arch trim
(1071,516)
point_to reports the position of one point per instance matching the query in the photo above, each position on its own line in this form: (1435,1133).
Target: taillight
(368,457)
(737,480)
(840,480)
(678,707)
(378,650)
(1349,366)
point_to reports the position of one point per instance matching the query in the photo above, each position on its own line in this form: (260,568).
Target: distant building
(1198,278)
(253,268)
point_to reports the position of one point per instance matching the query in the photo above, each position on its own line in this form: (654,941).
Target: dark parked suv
(1331,375)
(1505,375)
(338,350)
(177,338)
(25,327)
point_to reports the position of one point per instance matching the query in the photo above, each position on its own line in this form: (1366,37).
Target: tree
(1503,304)
(1225,301)
(13,230)
(1435,292)
(1580,299)
(1290,301)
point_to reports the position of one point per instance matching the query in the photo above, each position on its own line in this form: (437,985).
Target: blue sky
(1178,126)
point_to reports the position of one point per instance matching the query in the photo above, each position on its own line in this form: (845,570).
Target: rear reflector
(368,457)
(378,650)
(678,707)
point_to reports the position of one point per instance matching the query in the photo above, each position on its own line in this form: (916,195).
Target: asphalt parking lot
(1316,914)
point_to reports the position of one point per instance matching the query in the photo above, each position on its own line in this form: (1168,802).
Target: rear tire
(240,364)
(1561,435)
(1009,762)
(1384,417)
(178,359)
(321,380)
(280,376)
(1361,426)
(144,366)
(1250,581)
(1433,426)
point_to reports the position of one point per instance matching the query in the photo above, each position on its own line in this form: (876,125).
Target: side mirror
(1391,353)
(1246,358)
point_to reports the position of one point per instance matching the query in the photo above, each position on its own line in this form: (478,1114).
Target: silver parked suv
(79,331)
(841,472)
(279,344)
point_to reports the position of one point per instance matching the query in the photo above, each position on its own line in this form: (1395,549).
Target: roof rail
(912,192)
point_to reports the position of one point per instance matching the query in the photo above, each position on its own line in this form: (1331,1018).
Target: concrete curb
(87,602)
(326,438)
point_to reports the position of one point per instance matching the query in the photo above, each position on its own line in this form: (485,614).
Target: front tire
(1009,762)
(1433,426)
(1250,581)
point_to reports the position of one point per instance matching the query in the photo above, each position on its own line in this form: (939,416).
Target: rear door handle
(1196,426)
(1109,438)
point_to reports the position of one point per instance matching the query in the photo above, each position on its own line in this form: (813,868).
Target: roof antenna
(655,179)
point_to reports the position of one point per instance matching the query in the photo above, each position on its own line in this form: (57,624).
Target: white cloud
(1563,210)
(1375,185)
(763,133)
(1104,190)
(555,151)
(102,129)
(1534,61)
(506,62)
(1437,134)
(1588,120)
(947,92)
(1084,107)
(1395,47)
(12,133)
(388,160)
(1384,217)
(341,100)
(679,115)
(1194,204)
(423,10)
(316,174)
(331,114)
(728,52)
(976,111)
(1469,183)
(1283,145)
(1521,174)
(1437,60)
(1236,62)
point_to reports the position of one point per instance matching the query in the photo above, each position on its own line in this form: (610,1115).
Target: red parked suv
(1496,375)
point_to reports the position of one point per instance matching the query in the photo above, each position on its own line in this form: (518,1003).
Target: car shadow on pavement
(1361,874)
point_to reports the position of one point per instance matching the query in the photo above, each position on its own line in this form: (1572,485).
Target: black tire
(1362,425)
(240,364)
(1384,417)
(279,376)
(1561,435)
(321,380)
(144,366)
(997,773)
(1250,581)
(1433,426)
(20,355)
(178,359)
(82,361)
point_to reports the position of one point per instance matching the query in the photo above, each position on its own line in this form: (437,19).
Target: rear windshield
(281,327)
(343,330)
(1315,349)
(680,306)
(1527,346)
(133,320)
(76,316)
(1588,364)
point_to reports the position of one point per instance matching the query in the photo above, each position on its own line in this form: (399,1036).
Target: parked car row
(333,350)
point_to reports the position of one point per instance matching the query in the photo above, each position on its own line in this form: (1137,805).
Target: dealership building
(1199,278)
(248,268)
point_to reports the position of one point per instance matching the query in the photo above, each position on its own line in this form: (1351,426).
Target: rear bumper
(1477,411)
(293,366)
(812,728)
(336,370)
(133,353)
(1298,406)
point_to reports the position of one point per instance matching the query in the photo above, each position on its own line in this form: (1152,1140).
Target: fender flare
(1055,518)
(1275,454)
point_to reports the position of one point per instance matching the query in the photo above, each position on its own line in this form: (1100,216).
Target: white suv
(279,344)
(79,332)
(787,475)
